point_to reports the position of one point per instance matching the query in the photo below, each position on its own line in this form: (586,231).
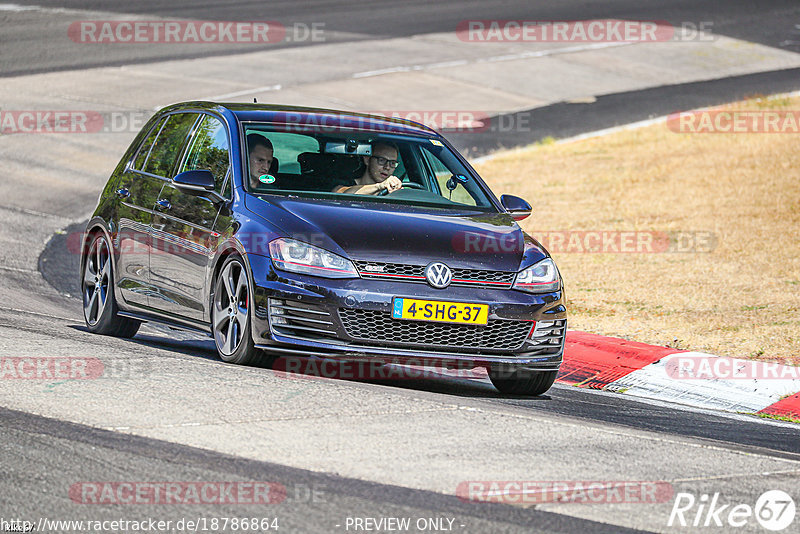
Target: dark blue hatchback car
(311,233)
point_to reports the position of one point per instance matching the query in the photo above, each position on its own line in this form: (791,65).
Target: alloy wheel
(96,280)
(231,299)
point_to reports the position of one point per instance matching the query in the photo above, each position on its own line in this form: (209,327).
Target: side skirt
(188,325)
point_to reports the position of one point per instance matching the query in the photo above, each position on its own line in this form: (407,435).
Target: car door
(150,173)
(183,225)
(137,192)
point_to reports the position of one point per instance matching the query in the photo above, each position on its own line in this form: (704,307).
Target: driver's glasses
(383,162)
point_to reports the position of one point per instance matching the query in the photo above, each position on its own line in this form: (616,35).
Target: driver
(259,158)
(377,176)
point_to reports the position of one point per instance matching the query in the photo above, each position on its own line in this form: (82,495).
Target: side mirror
(517,207)
(199,180)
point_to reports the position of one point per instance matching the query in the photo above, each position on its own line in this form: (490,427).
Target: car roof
(304,116)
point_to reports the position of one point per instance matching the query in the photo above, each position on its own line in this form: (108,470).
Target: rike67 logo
(774,510)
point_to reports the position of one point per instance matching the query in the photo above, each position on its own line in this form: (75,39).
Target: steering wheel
(410,185)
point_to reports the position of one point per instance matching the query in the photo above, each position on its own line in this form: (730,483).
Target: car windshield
(334,164)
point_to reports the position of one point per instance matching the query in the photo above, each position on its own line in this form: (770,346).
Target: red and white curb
(684,377)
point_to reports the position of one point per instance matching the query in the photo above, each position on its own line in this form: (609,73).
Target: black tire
(521,381)
(230,315)
(100,311)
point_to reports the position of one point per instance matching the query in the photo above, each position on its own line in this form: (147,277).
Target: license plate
(440,311)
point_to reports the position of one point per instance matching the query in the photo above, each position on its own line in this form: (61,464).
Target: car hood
(374,231)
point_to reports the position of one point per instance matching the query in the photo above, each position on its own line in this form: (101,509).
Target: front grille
(548,336)
(300,320)
(416,273)
(379,327)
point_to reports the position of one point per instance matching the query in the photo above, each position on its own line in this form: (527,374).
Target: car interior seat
(322,170)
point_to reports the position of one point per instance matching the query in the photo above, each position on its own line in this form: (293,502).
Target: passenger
(259,158)
(377,176)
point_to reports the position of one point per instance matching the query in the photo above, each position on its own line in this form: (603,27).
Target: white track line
(18,8)
(493,59)
(243,92)
(607,131)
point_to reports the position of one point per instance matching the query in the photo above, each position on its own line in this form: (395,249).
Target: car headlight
(298,257)
(540,277)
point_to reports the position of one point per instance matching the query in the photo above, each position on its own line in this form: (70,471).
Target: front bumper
(319,306)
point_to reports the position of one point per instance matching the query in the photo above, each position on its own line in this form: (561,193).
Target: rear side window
(209,150)
(168,146)
(286,148)
(144,150)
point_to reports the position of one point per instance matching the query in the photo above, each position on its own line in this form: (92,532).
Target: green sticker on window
(266,178)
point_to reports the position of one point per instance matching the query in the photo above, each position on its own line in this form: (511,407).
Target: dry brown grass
(742,299)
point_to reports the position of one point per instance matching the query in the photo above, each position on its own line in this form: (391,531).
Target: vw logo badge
(438,275)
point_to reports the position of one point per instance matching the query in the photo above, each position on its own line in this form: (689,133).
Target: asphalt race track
(347,450)
(31,46)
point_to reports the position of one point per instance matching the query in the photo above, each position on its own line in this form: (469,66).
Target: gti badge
(438,275)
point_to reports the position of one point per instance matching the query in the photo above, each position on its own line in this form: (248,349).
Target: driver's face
(378,172)
(260,162)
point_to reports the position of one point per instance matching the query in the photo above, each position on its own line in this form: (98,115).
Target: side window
(209,150)
(460,194)
(144,150)
(168,146)
(439,169)
(286,148)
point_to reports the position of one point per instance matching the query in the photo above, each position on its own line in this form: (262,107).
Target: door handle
(123,193)
(163,203)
